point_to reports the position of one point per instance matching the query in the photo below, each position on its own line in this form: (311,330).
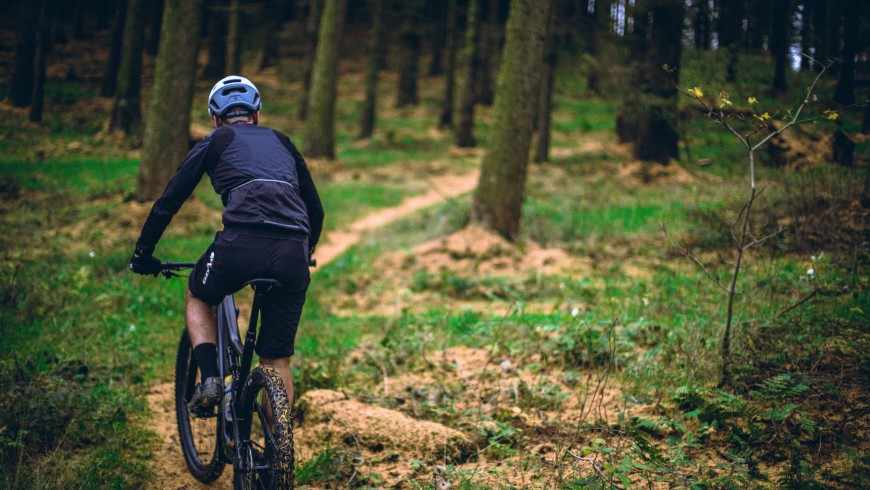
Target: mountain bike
(252,427)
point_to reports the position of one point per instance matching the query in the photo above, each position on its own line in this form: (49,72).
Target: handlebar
(168,268)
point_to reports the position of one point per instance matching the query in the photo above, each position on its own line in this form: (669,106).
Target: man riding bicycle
(272,220)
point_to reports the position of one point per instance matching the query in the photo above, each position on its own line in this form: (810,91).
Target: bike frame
(234,359)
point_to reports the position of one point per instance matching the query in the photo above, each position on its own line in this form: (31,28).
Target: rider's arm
(177,191)
(307,191)
(312,202)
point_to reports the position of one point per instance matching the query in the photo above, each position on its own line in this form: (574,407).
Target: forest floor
(584,354)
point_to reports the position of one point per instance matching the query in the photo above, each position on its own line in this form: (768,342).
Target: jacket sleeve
(180,187)
(308,192)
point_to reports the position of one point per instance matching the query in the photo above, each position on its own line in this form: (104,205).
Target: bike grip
(312,262)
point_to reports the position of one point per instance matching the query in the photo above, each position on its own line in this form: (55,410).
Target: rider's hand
(145,264)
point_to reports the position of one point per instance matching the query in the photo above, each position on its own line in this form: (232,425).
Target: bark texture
(446,119)
(779,30)
(312,26)
(465,128)
(216,66)
(320,129)
(498,199)
(126,111)
(411,42)
(648,117)
(376,59)
(234,38)
(113,63)
(166,140)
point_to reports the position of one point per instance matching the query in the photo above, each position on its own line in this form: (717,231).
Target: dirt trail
(169,468)
(444,187)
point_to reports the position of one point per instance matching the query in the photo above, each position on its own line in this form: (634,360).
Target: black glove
(145,264)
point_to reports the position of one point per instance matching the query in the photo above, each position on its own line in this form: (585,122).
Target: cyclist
(272,220)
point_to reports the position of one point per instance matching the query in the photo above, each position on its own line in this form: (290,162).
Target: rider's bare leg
(282,365)
(200,320)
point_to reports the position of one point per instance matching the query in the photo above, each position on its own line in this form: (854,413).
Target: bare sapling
(761,129)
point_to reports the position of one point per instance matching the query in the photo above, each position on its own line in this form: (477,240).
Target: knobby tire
(273,445)
(203,461)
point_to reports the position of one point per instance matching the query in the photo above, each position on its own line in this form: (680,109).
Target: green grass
(83,339)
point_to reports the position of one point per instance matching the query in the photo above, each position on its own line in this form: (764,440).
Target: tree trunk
(649,119)
(820,31)
(498,199)
(806,35)
(43,46)
(598,40)
(155,18)
(465,128)
(410,41)
(113,63)
(446,119)
(779,30)
(21,84)
(234,38)
(126,111)
(376,59)
(167,126)
(545,100)
(439,35)
(315,9)
(730,33)
(274,22)
(78,20)
(320,130)
(834,40)
(702,24)
(491,35)
(216,66)
(845,93)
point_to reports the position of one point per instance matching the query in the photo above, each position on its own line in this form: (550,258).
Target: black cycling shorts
(237,257)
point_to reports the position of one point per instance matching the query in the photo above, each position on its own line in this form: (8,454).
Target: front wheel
(199,436)
(268,422)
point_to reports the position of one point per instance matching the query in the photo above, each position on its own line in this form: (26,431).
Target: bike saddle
(265,284)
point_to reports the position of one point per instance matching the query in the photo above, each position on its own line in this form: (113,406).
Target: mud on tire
(280,455)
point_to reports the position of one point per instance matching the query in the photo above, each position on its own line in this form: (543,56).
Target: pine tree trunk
(312,26)
(545,101)
(113,63)
(845,93)
(702,24)
(491,32)
(320,130)
(439,38)
(820,31)
(126,111)
(446,119)
(779,30)
(216,66)
(806,34)
(730,31)
(234,38)
(465,128)
(498,199)
(43,46)
(167,126)
(376,59)
(649,119)
(411,42)
(21,84)
(602,28)
(155,18)
(270,55)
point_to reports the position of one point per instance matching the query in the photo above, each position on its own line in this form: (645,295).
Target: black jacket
(260,176)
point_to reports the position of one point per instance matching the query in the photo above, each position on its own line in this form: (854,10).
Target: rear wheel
(198,435)
(269,424)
